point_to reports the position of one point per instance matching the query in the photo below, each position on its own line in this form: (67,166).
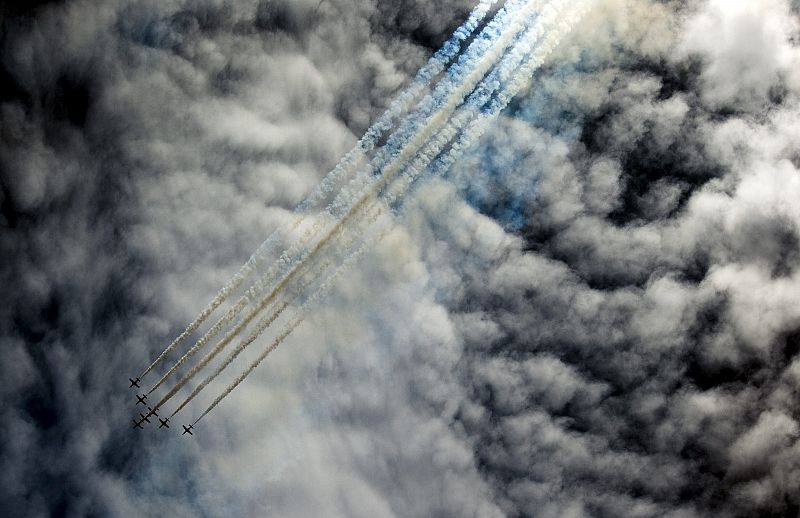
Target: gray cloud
(594,315)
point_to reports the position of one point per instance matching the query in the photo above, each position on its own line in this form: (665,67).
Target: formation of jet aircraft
(145,418)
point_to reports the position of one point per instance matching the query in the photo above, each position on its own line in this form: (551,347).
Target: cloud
(593,315)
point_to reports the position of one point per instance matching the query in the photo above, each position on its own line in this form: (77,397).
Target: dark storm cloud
(595,316)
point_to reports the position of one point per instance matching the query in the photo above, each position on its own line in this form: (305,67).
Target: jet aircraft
(137,424)
(164,422)
(141,399)
(187,430)
(134,382)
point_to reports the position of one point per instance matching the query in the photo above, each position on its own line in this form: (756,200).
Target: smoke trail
(443,111)
(460,79)
(457,96)
(298,268)
(250,295)
(265,322)
(297,319)
(433,67)
(520,79)
(520,64)
(480,56)
(502,34)
(479,47)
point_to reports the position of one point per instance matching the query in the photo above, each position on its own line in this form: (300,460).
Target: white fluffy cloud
(594,315)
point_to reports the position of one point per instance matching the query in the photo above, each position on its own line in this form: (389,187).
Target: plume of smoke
(475,53)
(457,88)
(433,147)
(407,97)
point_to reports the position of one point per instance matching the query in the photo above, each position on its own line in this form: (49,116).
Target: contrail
(297,268)
(516,69)
(267,320)
(250,295)
(435,65)
(296,320)
(485,52)
(419,140)
(429,152)
(478,48)
(520,78)
(485,62)
(461,79)
(496,46)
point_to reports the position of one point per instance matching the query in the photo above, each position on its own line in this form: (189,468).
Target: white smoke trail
(371,216)
(298,318)
(298,268)
(408,96)
(520,78)
(490,35)
(432,125)
(249,296)
(477,100)
(470,68)
(429,152)
(475,53)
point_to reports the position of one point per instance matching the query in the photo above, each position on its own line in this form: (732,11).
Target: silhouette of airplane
(187,430)
(134,382)
(151,412)
(143,418)
(141,399)
(164,422)
(137,424)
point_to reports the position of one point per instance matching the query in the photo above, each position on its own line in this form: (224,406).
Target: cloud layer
(593,315)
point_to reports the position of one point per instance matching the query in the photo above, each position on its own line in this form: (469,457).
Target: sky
(596,313)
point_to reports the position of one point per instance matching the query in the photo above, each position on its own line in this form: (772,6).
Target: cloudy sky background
(596,314)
